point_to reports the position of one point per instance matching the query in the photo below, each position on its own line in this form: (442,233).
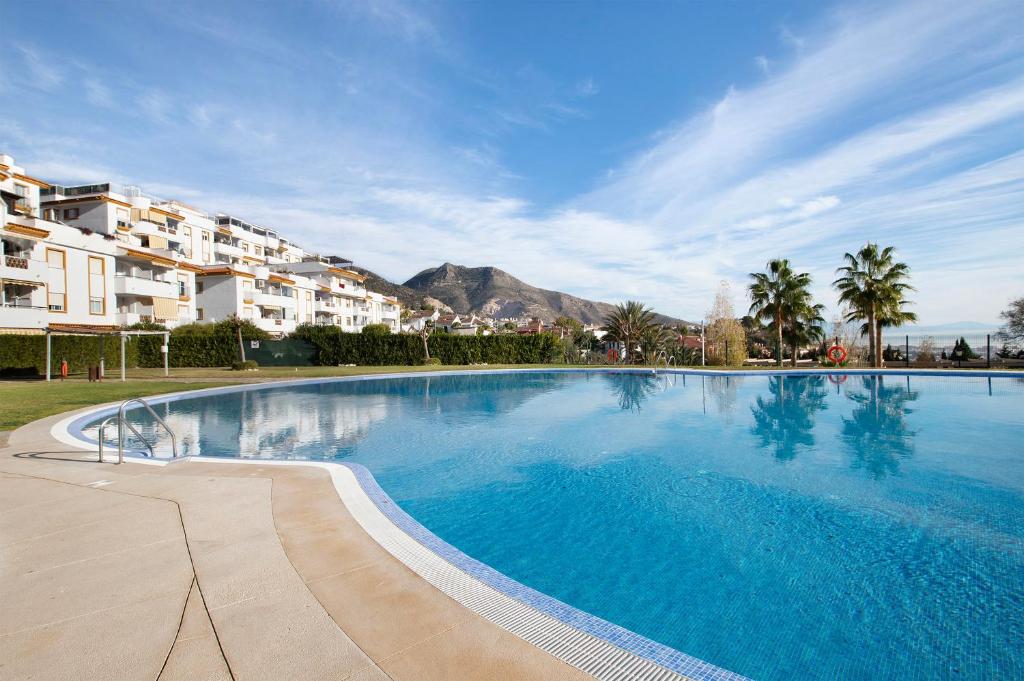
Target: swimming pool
(777,526)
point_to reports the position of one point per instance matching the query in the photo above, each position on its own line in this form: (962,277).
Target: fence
(949,351)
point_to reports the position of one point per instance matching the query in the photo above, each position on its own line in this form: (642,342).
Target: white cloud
(43,73)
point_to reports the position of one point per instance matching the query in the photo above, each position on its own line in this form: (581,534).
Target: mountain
(490,292)
(409,298)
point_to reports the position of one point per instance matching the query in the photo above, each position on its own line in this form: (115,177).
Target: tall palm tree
(627,323)
(775,294)
(874,285)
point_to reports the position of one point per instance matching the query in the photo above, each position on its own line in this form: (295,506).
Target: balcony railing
(16,262)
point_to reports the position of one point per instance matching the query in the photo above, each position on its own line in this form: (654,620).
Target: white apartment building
(153,278)
(51,274)
(337,296)
(98,255)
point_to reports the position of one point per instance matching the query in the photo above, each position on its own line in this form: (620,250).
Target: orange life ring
(836,353)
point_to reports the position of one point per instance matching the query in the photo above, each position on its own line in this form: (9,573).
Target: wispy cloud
(901,123)
(44,74)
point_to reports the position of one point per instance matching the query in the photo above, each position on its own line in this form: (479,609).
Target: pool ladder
(666,358)
(122,422)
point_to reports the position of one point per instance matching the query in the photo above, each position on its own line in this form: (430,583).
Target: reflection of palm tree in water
(785,421)
(632,389)
(877,431)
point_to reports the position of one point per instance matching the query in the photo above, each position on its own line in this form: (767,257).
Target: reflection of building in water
(279,424)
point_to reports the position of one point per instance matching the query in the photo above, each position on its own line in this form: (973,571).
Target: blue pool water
(780,527)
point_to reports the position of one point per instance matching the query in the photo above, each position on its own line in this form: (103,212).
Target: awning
(271,307)
(165,308)
(26,231)
(21,282)
(157,241)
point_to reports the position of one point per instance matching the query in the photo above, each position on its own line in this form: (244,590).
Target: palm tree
(873,285)
(627,323)
(775,294)
(806,325)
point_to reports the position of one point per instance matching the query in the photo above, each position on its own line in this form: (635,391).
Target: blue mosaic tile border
(653,651)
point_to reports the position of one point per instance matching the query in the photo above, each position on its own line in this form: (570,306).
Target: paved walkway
(216,571)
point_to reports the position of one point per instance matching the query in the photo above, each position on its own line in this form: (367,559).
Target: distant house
(533,326)
(417,320)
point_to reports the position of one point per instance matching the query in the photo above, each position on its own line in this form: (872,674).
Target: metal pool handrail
(122,422)
(667,358)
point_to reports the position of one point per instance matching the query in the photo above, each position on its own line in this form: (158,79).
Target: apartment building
(100,255)
(153,278)
(337,296)
(51,274)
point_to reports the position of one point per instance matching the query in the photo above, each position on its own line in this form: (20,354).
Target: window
(258,250)
(97,286)
(246,313)
(206,246)
(245,247)
(21,190)
(182,285)
(183,312)
(199,287)
(57,296)
(199,314)
(71,213)
(186,231)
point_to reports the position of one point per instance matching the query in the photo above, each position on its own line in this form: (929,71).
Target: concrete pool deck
(217,571)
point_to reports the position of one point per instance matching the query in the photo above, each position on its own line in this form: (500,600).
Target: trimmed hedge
(190,351)
(26,355)
(333,347)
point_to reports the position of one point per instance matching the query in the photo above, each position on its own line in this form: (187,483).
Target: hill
(491,292)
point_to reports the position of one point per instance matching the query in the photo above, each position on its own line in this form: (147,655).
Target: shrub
(146,326)
(333,347)
(377,330)
(433,361)
(247,365)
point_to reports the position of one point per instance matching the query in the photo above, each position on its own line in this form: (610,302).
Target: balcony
(125,285)
(24,207)
(129,318)
(275,326)
(17,268)
(273,299)
(17,316)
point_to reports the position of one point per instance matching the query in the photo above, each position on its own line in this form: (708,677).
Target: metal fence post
(906,348)
(988,350)
(726,362)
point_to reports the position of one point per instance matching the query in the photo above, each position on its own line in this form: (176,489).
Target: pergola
(102,334)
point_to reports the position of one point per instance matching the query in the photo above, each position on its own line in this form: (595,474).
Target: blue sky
(611,150)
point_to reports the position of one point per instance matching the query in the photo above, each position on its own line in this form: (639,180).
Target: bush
(333,347)
(225,327)
(433,361)
(146,326)
(247,365)
(377,330)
